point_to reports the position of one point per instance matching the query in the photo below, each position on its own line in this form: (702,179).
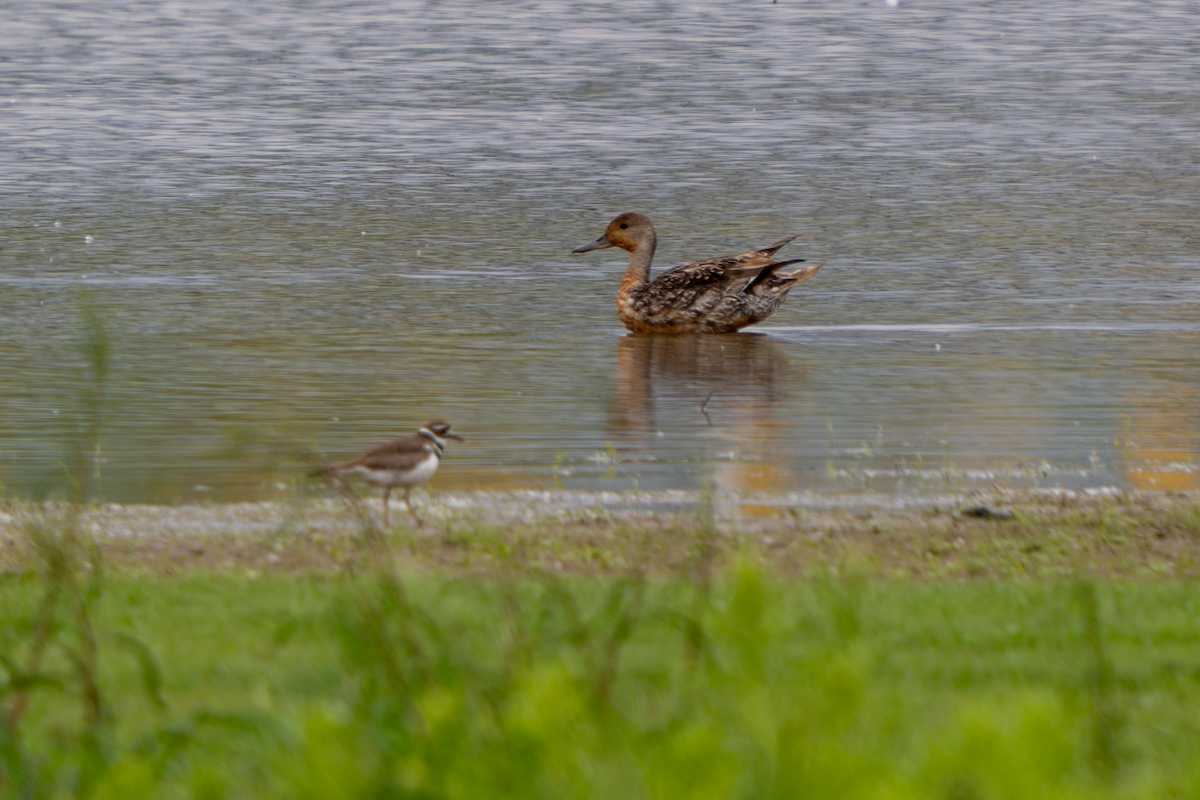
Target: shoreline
(1001,534)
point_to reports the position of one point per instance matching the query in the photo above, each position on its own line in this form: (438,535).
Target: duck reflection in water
(696,387)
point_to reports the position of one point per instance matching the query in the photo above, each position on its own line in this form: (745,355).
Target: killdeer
(401,462)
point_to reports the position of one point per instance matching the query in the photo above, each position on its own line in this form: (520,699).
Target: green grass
(227,686)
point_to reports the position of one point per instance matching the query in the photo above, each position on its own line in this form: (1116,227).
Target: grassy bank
(679,662)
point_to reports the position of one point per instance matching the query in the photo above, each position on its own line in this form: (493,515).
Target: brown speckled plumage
(719,295)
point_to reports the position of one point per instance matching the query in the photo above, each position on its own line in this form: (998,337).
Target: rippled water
(316,225)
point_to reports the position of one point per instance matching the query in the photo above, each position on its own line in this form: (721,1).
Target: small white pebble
(89,239)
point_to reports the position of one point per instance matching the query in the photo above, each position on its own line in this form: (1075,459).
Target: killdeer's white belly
(419,473)
(423,471)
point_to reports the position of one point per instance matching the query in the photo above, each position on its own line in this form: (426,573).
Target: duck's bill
(599,244)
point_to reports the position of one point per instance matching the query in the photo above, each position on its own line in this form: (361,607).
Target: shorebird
(405,462)
(719,295)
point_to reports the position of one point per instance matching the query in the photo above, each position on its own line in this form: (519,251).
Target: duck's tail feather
(770,249)
(770,270)
(802,274)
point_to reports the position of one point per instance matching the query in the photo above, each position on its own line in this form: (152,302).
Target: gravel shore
(998,534)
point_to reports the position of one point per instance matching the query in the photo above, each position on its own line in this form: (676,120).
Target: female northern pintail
(719,295)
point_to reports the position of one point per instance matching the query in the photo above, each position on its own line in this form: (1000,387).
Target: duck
(718,295)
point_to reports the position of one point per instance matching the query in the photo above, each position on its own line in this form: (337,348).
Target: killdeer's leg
(386,491)
(408,502)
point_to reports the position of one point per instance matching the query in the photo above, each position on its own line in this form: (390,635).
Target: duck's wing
(696,290)
(712,289)
(700,272)
(732,274)
(746,266)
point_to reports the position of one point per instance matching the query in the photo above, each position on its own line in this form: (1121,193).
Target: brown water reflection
(730,377)
(1162,441)
(728,389)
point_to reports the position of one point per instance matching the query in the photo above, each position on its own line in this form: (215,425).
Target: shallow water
(313,225)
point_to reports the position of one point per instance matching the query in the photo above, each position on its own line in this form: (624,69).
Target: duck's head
(630,231)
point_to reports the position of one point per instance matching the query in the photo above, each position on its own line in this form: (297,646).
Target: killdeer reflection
(401,462)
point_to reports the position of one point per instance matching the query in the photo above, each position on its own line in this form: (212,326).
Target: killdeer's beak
(599,244)
(450,435)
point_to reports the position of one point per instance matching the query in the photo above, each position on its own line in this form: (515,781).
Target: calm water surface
(314,225)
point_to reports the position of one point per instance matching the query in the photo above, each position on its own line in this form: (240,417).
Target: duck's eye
(624,225)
